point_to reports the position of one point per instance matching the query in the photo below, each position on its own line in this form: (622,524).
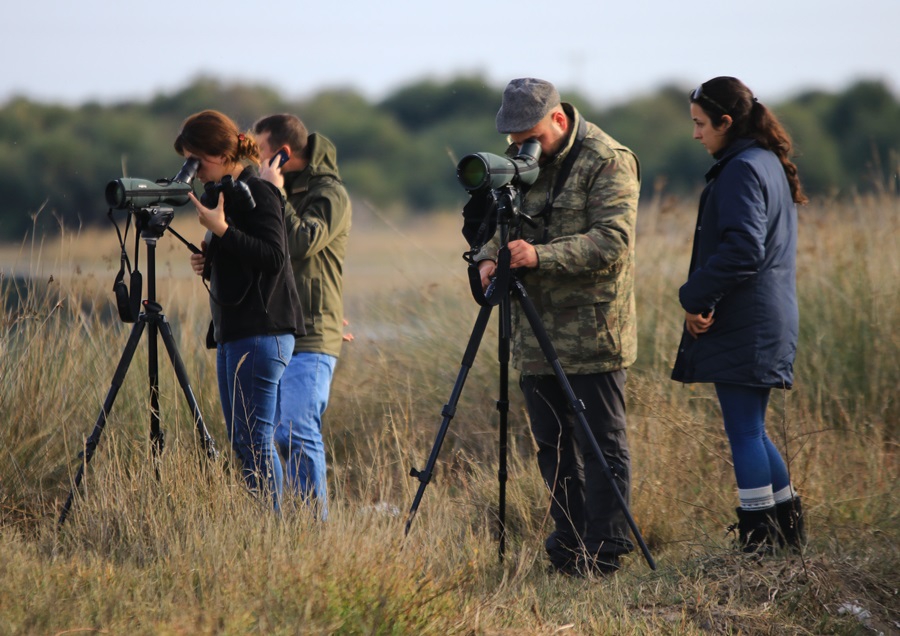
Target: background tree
(401,153)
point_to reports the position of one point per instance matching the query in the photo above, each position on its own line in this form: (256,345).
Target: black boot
(568,556)
(791,524)
(757,530)
(563,549)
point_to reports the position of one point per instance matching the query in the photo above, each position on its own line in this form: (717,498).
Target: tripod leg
(157,437)
(424,476)
(549,351)
(206,441)
(91,444)
(503,409)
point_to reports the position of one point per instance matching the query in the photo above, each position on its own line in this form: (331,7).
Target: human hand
(486,268)
(698,323)
(522,254)
(347,337)
(199,260)
(270,171)
(212,219)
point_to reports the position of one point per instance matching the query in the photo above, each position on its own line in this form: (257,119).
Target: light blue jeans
(249,371)
(302,400)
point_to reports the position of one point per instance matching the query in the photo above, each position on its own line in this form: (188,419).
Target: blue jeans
(302,400)
(757,463)
(248,371)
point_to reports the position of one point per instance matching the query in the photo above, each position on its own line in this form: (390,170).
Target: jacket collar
(574,117)
(297,181)
(727,154)
(250,170)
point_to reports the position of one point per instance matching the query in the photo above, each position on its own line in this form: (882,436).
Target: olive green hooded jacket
(318,218)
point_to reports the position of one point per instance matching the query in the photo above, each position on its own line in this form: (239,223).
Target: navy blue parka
(743,268)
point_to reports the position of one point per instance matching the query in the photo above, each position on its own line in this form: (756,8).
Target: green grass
(193,553)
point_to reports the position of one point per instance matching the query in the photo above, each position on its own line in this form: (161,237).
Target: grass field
(191,552)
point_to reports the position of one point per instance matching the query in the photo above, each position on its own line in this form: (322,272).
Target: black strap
(496,290)
(127,302)
(562,176)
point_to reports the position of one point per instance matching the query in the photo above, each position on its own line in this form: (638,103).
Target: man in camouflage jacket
(577,266)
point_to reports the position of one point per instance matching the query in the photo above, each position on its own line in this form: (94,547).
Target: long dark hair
(212,133)
(722,96)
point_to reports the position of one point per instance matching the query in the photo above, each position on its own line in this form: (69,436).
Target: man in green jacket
(577,266)
(317,217)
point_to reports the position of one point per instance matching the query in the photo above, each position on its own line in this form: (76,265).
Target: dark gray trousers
(583,505)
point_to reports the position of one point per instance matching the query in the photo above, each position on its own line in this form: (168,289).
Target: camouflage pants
(583,505)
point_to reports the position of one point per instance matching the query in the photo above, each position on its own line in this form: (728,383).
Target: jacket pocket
(589,310)
(311,302)
(569,213)
(588,292)
(570,199)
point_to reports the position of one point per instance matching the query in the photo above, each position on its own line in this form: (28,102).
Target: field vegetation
(191,552)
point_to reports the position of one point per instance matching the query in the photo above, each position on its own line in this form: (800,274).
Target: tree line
(400,153)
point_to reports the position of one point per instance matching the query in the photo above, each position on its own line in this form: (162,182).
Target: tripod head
(503,218)
(152,221)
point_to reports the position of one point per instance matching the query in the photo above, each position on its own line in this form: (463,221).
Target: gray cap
(526,102)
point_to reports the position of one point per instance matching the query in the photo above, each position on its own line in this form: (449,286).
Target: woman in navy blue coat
(740,299)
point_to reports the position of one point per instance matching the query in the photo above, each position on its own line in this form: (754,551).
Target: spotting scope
(140,193)
(484,170)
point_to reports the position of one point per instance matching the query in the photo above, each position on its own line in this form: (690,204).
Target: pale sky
(72,52)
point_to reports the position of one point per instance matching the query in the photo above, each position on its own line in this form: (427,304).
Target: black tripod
(151,316)
(504,284)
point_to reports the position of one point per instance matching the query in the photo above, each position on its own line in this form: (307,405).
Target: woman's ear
(726,122)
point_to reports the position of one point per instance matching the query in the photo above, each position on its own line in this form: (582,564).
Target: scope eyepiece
(188,171)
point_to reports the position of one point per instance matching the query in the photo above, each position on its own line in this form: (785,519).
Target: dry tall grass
(192,552)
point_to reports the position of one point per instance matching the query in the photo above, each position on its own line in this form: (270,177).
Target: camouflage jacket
(318,218)
(583,286)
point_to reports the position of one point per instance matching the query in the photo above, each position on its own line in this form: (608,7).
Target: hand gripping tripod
(505,284)
(150,223)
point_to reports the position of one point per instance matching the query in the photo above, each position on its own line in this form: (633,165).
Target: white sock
(756,498)
(785,494)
